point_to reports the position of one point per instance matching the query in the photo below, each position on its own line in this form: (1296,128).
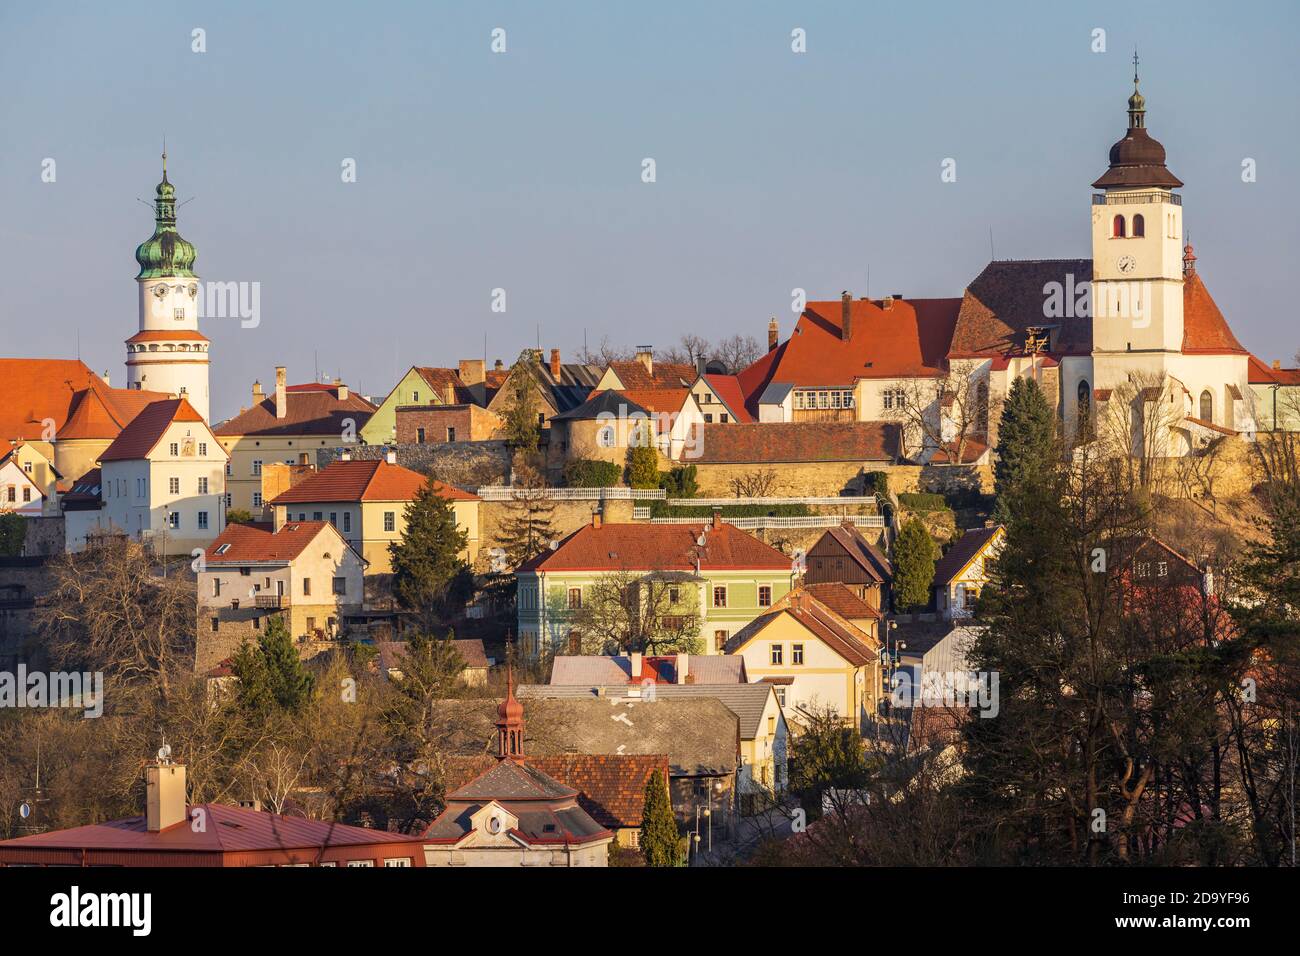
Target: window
(27,494)
(203,486)
(27,467)
(1207,406)
(575,598)
(605,437)
(13,493)
(347,521)
(216,624)
(398,861)
(415,397)
(367,862)
(306,586)
(796,653)
(720,641)
(1117,228)
(203,520)
(257,499)
(724,418)
(708,419)
(216,587)
(720,596)
(765,595)
(777,654)
(334,519)
(174,486)
(419,436)
(180,315)
(318,516)
(674,595)
(340,585)
(451,434)
(229,472)
(229,498)
(390,521)
(1139,226)
(311,624)
(173,449)
(173,519)
(771,726)
(203,448)
(257,466)
(780,696)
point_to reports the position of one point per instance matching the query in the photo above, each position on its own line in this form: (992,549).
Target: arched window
(1139,226)
(1118,230)
(1207,406)
(1085,396)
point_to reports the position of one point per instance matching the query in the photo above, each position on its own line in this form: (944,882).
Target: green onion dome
(165,253)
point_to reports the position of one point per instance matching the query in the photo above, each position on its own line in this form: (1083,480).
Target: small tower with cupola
(1137,246)
(168,353)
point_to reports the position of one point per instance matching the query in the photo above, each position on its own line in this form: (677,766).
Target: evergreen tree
(429,574)
(642,466)
(660,844)
(522,428)
(681,482)
(914,557)
(13,532)
(271,675)
(530,518)
(1027,443)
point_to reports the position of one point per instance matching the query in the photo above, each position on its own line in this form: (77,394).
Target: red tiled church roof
(1205,330)
(140,437)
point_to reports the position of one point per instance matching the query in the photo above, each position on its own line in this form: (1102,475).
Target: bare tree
(737,352)
(759,483)
(654,612)
(951,412)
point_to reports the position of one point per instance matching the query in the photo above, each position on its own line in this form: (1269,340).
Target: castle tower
(168,353)
(1137,248)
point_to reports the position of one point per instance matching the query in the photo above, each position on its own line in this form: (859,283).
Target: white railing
(640,513)
(507,493)
(781,521)
(870,500)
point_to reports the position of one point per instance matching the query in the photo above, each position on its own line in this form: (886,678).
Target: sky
(523,170)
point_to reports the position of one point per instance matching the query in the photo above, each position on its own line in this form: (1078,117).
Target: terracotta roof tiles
(658,547)
(140,437)
(372,480)
(309,410)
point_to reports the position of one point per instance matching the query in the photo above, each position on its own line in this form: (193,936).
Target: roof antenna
(991,254)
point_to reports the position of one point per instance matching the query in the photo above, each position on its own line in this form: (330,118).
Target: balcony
(1126,199)
(272,601)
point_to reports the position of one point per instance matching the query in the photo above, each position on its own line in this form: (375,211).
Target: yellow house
(816,659)
(421,385)
(31,484)
(366,501)
(303,571)
(290,425)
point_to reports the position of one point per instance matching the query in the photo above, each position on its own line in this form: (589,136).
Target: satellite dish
(555,545)
(25,810)
(700,541)
(164,751)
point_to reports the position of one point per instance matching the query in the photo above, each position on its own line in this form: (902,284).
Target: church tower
(1137,249)
(168,353)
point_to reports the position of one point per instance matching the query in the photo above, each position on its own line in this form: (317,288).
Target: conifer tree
(271,675)
(1027,443)
(914,557)
(660,844)
(523,431)
(428,572)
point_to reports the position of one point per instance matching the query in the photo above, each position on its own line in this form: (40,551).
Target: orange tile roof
(799,441)
(658,547)
(842,636)
(140,437)
(656,399)
(163,335)
(1261,374)
(37,389)
(1205,330)
(447,383)
(728,389)
(1007,298)
(666,374)
(258,543)
(309,410)
(374,480)
(841,599)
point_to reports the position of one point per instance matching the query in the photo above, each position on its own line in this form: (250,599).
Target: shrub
(876,483)
(592,473)
(923,501)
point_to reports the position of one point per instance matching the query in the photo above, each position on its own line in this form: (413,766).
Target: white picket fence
(764,522)
(869,500)
(507,493)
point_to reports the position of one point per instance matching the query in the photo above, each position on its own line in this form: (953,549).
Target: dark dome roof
(1137,160)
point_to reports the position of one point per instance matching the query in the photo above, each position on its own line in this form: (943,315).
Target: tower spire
(1137,104)
(510,722)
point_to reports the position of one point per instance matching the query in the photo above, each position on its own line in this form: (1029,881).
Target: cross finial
(1135,67)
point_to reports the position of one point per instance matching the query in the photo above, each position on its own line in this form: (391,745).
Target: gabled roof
(844,638)
(257,543)
(147,429)
(633,374)
(840,599)
(84,495)
(447,384)
(309,410)
(1007,298)
(1261,374)
(658,547)
(603,404)
(726,388)
(747,701)
(370,480)
(799,441)
(863,552)
(964,550)
(908,338)
(32,390)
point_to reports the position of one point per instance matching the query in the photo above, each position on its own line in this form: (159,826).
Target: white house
(961,574)
(163,479)
(18,492)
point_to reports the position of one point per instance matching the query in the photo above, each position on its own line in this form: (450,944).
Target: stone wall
(464,464)
(45,536)
(23,581)
(566,517)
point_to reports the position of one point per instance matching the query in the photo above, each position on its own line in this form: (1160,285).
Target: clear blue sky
(522,170)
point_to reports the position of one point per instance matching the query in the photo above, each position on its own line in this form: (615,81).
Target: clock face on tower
(160,290)
(1126,264)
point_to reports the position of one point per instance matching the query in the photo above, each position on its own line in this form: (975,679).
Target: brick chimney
(498,365)
(164,786)
(846,316)
(773,334)
(645,354)
(390,456)
(472,371)
(717,518)
(555,364)
(281,395)
(595,519)
(1277,363)
(258,394)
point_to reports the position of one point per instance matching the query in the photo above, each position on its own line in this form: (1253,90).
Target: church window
(1118,228)
(1207,406)
(1139,226)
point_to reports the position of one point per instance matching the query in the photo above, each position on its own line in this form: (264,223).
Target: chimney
(645,354)
(1277,363)
(164,786)
(595,519)
(636,665)
(700,365)
(684,675)
(390,456)
(887,302)
(717,518)
(846,316)
(498,366)
(106,380)
(281,396)
(258,394)
(472,371)
(346,456)
(555,364)
(340,390)
(773,334)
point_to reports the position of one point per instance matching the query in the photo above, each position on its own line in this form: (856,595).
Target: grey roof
(775,393)
(699,735)
(512,781)
(746,701)
(391,653)
(592,669)
(608,402)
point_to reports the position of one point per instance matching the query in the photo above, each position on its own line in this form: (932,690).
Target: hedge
(923,501)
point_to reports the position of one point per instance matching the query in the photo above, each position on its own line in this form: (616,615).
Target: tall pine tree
(914,557)
(1027,443)
(429,574)
(271,675)
(660,844)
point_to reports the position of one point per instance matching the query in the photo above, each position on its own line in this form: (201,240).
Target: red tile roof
(865,554)
(844,638)
(658,547)
(1205,330)
(666,374)
(799,441)
(727,388)
(1007,298)
(257,543)
(140,437)
(841,599)
(1261,374)
(163,335)
(753,379)
(374,480)
(32,390)
(309,410)
(447,384)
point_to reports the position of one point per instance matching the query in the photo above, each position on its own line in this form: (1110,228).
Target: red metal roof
(374,480)
(658,547)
